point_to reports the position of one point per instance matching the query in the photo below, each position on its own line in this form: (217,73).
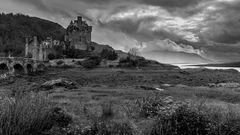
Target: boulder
(62,82)
(146,88)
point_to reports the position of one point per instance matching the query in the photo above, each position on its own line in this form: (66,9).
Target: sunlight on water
(185,66)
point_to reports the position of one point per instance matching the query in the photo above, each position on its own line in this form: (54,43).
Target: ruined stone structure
(40,51)
(78,34)
(20,65)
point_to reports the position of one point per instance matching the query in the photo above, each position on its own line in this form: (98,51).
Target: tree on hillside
(134,53)
(109,54)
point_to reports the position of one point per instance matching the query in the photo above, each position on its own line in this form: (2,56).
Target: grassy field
(122,99)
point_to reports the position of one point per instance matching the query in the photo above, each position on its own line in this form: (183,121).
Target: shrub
(60,118)
(156,106)
(109,54)
(60,62)
(224,122)
(109,128)
(91,62)
(107,110)
(75,53)
(27,115)
(129,62)
(51,56)
(184,121)
(65,66)
(111,66)
(79,63)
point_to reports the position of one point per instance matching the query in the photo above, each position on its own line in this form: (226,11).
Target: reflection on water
(184,66)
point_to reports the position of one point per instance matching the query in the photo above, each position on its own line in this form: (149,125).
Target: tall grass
(25,115)
(185,117)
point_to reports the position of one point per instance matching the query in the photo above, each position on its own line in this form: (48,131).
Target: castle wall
(39,51)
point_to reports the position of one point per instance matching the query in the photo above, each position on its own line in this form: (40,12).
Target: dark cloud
(163,3)
(223,25)
(171,3)
(139,29)
(37,3)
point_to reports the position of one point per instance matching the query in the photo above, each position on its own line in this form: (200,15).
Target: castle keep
(78,34)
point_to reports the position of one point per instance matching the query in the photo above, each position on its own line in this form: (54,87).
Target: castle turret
(79,19)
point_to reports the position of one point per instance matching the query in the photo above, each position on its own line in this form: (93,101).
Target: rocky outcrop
(62,82)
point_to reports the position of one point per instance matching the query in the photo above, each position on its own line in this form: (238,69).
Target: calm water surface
(184,66)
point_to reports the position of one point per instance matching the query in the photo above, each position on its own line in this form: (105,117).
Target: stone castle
(78,36)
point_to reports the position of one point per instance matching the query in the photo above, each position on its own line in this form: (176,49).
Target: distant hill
(15,27)
(176,57)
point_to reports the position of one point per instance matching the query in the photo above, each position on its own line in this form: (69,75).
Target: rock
(62,82)
(212,85)
(150,88)
(159,89)
(166,85)
(147,88)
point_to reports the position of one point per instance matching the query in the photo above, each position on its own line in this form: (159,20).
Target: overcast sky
(171,31)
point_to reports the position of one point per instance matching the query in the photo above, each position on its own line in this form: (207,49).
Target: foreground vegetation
(121,102)
(34,114)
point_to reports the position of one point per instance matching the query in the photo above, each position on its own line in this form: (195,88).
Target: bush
(91,62)
(130,63)
(156,106)
(107,110)
(184,121)
(109,128)
(79,63)
(109,54)
(60,118)
(51,56)
(27,115)
(65,66)
(78,54)
(224,122)
(60,62)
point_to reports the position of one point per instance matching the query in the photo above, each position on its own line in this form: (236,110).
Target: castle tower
(79,34)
